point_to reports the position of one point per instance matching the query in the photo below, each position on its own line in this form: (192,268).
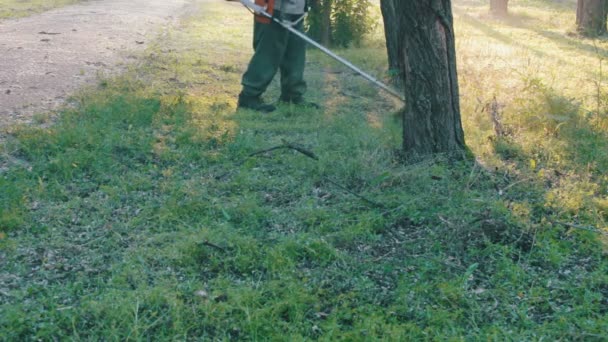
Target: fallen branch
(577,226)
(209,244)
(309,154)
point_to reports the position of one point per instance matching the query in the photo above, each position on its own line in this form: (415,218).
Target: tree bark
(431,117)
(591,17)
(499,8)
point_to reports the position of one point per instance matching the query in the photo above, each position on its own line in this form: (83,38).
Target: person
(276,49)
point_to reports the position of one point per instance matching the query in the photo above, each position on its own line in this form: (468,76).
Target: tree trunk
(431,117)
(591,17)
(319,20)
(392,34)
(326,22)
(499,8)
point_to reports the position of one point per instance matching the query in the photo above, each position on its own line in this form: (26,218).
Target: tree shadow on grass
(508,40)
(527,22)
(565,40)
(574,41)
(501,37)
(552,5)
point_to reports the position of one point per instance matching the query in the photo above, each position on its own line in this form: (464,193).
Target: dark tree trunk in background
(321,12)
(431,117)
(591,17)
(326,22)
(395,55)
(499,8)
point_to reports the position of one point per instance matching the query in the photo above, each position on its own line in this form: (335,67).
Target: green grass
(23,8)
(138,215)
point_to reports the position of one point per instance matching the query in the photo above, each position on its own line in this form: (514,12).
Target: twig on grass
(503,190)
(364,199)
(286,145)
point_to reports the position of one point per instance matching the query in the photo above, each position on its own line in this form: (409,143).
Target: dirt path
(44,58)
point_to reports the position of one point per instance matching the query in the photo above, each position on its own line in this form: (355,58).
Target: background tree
(499,8)
(591,16)
(395,55)
(339,22)
(319,21)
(431,117)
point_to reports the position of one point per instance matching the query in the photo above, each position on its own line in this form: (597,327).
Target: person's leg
(270,41)
(293,85)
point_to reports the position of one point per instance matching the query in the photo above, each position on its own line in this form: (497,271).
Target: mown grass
(23,8)
(139,215)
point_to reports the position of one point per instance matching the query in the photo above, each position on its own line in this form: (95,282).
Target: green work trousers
(276,49)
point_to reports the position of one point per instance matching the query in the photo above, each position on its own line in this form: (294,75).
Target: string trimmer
(261,11)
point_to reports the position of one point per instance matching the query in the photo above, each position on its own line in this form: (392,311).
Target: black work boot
(255,103)
(299,101)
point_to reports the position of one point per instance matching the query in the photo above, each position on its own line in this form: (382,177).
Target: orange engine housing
(269,4)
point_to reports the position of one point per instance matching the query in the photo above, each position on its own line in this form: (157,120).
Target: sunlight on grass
(549,87)
(22,8)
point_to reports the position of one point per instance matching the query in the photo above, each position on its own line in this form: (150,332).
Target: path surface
(45,57)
